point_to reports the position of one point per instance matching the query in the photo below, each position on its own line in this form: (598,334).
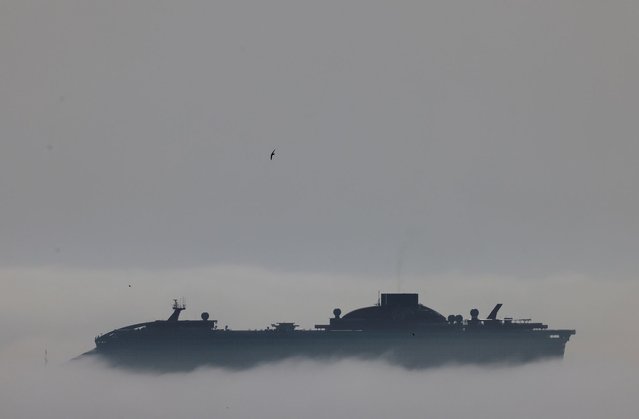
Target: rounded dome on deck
(417,313)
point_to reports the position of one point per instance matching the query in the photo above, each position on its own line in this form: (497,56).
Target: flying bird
(272,154)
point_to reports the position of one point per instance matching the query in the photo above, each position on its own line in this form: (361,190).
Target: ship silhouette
(397,329)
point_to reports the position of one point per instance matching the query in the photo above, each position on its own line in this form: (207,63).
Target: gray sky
(475,136)
(472,151)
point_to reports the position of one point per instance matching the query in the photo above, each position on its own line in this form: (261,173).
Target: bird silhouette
(272,154)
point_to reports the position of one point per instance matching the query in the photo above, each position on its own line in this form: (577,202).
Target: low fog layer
(62,310)
(348,389)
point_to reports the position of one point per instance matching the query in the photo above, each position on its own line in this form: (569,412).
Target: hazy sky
(487,137)
(473,151)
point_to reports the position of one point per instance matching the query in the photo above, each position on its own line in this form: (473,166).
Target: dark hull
(184,350)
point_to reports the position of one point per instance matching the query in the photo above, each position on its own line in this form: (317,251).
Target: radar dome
(474,313)
(205,316)
(337,312)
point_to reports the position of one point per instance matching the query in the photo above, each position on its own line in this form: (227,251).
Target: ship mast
(177,308)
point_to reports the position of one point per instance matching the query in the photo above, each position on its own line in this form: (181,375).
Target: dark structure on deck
(398,328)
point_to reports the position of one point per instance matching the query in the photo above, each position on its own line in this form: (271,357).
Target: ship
(397,329)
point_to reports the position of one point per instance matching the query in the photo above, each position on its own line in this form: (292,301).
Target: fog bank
(63,309)
(305,389)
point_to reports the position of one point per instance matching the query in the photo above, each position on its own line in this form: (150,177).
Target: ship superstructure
(397,328)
